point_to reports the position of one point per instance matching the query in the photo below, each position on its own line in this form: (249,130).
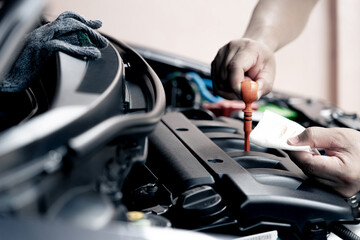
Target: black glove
(70,33)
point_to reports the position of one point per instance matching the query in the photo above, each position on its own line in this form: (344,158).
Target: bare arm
(278,22)
(274,23)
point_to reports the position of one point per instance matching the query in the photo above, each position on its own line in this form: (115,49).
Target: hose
(203,84)
(205,93)
(343,232)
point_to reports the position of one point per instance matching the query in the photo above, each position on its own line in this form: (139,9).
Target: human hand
(240,60)
(340,167)
(70,33)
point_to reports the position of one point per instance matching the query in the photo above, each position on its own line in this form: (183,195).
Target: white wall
(348,53)
(197,29)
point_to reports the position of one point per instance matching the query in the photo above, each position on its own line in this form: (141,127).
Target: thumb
(239,65)
(315,137)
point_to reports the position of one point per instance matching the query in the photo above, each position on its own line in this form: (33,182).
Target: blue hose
(203,85)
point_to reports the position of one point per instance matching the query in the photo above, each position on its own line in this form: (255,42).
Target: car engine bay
(137,137)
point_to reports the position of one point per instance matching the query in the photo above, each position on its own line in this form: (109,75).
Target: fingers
(224,67)
(68,25)
(227,95)
(219,73)
(328,167)
(57,45)
(317,137)
(265,78)
(94,24)
(340,167)
(327,170)
(324,167)
(346,190)
(338,184)
(241,60)
(97,38)
(238,66)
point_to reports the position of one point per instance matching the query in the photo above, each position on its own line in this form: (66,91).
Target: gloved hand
(70,33)
(240,60)
(340,167)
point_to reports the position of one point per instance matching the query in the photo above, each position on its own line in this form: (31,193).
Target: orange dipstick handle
(249,94)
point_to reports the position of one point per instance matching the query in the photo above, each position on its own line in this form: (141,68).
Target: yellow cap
(135,216)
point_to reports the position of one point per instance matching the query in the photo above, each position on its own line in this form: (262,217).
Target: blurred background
(323,63)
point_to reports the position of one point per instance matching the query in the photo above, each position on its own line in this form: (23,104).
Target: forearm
(277,22)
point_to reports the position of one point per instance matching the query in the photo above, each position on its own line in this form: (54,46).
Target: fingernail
(239,88)
(238,93)
(294,140)
(258,95)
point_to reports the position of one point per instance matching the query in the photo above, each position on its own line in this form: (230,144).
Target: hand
(70,33)
(340,167)
(240,60)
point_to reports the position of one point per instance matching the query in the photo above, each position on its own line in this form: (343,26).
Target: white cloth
(273,131)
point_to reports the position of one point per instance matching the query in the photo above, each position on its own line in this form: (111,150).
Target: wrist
(265,36)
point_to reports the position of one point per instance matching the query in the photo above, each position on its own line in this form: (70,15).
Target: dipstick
(249,95)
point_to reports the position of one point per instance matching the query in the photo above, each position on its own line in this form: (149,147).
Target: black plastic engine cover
(262,190)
